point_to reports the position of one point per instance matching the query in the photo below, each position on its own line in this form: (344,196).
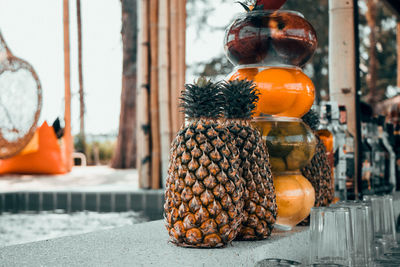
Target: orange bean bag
(47,159)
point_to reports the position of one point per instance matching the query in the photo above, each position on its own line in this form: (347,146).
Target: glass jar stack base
(270,48)
(291,145)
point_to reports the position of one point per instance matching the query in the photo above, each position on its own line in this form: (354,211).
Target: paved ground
(96,179)
(30,227)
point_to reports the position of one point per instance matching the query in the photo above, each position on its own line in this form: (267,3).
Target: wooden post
(175,58)
(342,65)
(182,52)
(154,108)
(80,74)
(342,57)
(164,85)
(142,122)
(398,54)
(68,145)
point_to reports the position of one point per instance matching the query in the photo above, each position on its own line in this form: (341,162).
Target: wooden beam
(342,67)
(182,52)
(398,54)
(164,85)
(342,74)
(68,144)
(154,108)
(175,56)
(143,84)
(394,5)
(80,75)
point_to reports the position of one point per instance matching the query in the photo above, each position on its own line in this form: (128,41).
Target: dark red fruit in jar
(271,4)
(270,38)
(243,41)
(290,34)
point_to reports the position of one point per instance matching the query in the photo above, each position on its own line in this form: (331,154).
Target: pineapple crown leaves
(241,97)
(202,99)
(251,5)
(311,119)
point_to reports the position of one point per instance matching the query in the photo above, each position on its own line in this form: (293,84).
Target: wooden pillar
(398,54)
(175,54)
(154,108)
(164,84)
(342,76)
(80,75)
(342,67)
(143,84)
(68,145)
(182,52)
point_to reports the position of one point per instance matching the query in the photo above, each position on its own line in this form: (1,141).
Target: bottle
(366,158)
(348,150)
(339,144)
(380,158)
(326,135)
(396,140)
(386,160)
(389,133)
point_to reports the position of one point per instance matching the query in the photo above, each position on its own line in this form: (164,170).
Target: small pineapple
(260,203)
(204,193)
(318,171)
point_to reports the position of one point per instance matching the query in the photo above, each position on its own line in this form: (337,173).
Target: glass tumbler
(362,231)
(383,219)
(331,237)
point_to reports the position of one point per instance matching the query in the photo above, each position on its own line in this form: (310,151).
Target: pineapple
(318,171)
(260,204)
(204,193)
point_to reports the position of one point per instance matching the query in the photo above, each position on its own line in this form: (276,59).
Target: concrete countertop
(147,245)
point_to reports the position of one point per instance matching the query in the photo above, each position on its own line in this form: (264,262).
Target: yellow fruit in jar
(277,164)
(295,197)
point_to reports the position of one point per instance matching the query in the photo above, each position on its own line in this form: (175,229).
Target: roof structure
(395,6)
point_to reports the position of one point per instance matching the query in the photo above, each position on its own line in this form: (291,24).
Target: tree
(372,76)
(125,153)
(80,74)
(378,52)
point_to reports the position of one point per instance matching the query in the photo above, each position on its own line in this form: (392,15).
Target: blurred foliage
(97,152)
(317,13)
(386,49)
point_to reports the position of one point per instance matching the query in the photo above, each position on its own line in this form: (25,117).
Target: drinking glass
(361,228)
(385,248)
(331,237)
(383,220)
(277,262)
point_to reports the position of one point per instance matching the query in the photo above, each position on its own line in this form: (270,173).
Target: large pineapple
(318,171)
(204,193)
(260,203)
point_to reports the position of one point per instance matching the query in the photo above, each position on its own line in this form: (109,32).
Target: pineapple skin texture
(319,173)
(204,192)
(260,200)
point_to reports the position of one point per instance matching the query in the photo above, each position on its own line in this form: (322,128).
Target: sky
(33,30)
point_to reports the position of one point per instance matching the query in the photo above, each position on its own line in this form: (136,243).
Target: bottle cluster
(379,152)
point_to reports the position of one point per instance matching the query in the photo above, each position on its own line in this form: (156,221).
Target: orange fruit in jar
(276,94)
(295,197)
(244,74)
(327,138)
(305,94)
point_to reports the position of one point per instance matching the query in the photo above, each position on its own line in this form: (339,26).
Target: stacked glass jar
(270,48)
